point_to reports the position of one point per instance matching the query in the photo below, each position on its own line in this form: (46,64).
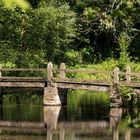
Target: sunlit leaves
(21,3)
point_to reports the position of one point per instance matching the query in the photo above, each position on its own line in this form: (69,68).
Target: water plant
(126,94)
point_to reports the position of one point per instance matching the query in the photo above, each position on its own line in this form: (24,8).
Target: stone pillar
(63,92)
(49,74)
(115,98)
(116,73)
(62,71)
(51,96)
(128,74)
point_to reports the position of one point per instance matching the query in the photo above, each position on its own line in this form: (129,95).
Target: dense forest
(72,31)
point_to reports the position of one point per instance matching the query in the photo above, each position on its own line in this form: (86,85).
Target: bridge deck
(41,83)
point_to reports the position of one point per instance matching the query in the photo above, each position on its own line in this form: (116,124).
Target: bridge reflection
(53,128)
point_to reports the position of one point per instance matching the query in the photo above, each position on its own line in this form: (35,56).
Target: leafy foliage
(35,36)
(69,31)
(11,3)
(126,94)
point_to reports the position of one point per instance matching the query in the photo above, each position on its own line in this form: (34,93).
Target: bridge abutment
(115,98)
(51,96)
(54,96)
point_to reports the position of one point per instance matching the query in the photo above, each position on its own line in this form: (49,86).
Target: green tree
(36,36)
(101,23)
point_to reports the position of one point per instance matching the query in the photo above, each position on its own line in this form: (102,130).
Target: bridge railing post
(116,73)
(51,96)
(128,74)
(62,71)
(115,98)
(49,74)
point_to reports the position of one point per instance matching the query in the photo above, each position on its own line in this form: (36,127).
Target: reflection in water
(51,114)
(52,127)
(86,122)
(115,117)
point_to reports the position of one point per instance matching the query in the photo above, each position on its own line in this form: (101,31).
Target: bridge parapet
(96,80)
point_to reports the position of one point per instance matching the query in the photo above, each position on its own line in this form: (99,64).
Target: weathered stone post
(62,71)
(134,96)
(116,73)
(115,99)
(51,96)
(128,74)
(63,92)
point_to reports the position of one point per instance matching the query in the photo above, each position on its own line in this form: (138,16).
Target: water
(83,119)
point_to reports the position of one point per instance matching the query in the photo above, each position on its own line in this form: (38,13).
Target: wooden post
(116,76)
(49,74)
(128,74)
(62,71)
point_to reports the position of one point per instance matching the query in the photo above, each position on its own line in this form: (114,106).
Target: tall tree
(101,23)
(37,35)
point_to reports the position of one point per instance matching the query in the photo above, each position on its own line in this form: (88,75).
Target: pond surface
(84,118)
